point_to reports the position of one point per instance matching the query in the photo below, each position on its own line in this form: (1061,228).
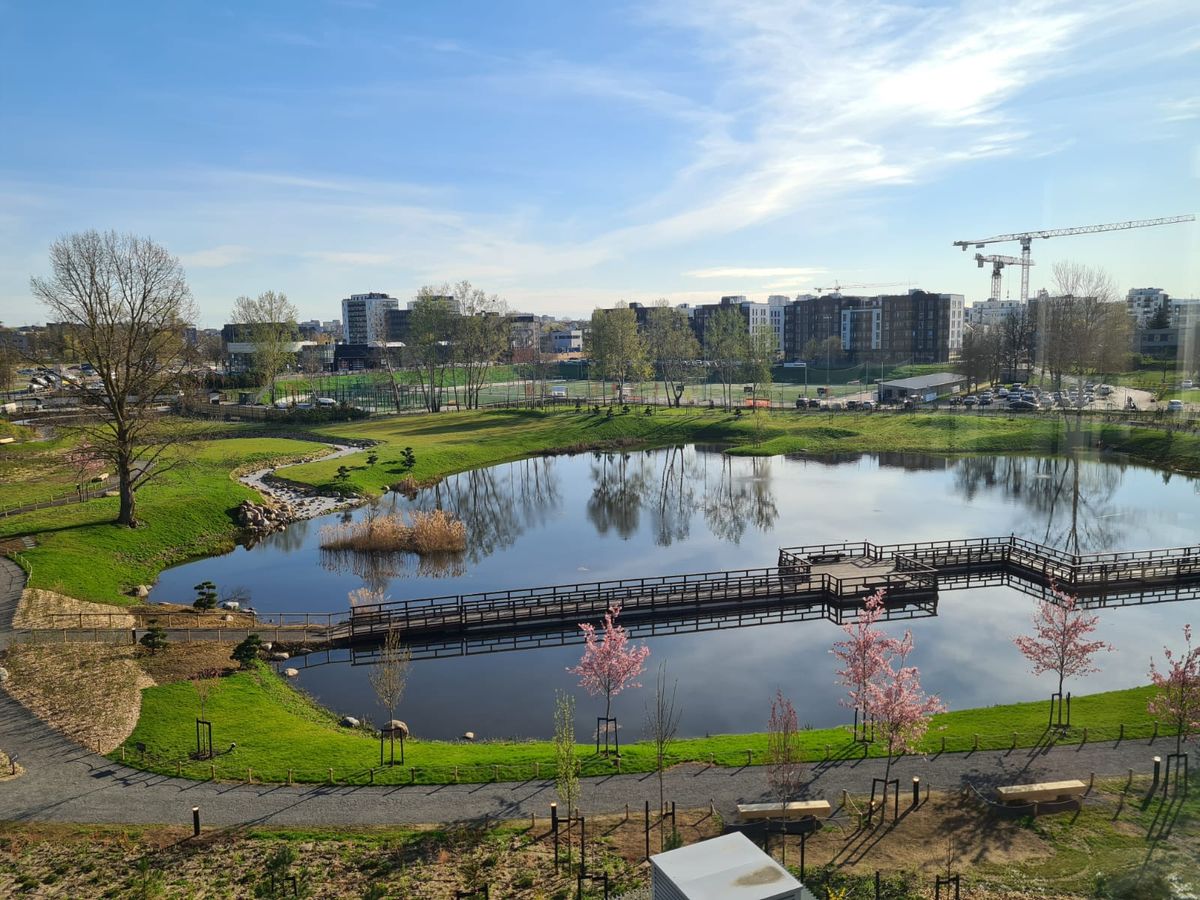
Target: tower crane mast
(1025,238)
(998,264)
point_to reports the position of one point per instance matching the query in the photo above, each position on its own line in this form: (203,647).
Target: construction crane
(998,264)
(838,287)
(1027,237)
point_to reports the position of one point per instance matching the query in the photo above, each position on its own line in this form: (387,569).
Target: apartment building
(364,317)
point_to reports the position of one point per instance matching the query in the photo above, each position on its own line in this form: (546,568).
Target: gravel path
(307,504)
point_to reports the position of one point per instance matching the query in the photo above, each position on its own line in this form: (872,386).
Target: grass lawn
(82,554)
(452,442)
(278,729)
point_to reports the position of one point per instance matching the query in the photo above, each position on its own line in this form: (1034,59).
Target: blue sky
(569,155)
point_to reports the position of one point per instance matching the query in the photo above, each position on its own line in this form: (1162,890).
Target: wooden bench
(1046,790)
(826,558)
(796,809)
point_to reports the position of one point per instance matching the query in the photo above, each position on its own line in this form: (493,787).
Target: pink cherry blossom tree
(863,655)
(610,664)
(898,706)
(1060,642)
(1178,697)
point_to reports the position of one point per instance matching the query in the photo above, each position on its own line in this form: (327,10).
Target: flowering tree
(863,654)
(611,664)
(784,765)
(1060,641)
(1178,699)
(898,706)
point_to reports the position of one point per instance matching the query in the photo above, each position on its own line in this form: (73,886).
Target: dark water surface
(598,516)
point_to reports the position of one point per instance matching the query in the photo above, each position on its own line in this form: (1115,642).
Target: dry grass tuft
(429,532)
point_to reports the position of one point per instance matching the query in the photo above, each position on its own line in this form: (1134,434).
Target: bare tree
(269,324)
(617,348)
(662,723)
(672,347)
(1082,328)
(481,337)
(726,347)
(123,303)
(430,346)
(389,677)
(566,762)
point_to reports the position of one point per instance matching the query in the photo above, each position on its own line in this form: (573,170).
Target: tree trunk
(128,512)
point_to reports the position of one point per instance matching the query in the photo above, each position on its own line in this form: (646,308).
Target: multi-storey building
(364,317)
(1145,303)
(917,326)
(986,313)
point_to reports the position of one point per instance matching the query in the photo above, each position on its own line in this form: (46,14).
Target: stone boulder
(291,673)
(396,728)
(349,722)
(468,736)
(3,675)
(141,591)
(267,645)
(280,656)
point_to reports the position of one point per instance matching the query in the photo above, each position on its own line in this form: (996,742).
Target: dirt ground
(46,609)
(100,710)
(516,860)
(179,662)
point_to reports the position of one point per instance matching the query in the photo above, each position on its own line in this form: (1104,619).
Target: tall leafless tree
(123,303)
(662,724)
(481,337)
(269,324)
(673,348)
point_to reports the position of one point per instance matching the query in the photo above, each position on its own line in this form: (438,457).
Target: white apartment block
(986,313)
(364,317)
(1143,303)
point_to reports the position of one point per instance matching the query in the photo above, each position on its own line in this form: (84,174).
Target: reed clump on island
(436,531)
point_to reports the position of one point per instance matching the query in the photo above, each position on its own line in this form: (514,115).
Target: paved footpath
(64,782)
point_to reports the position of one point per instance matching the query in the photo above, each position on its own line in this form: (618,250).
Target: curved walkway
(66,783)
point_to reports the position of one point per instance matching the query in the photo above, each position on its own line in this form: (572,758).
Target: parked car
(814,403)
(1174,406)
(1186,384)
(970,400)
(1022,405)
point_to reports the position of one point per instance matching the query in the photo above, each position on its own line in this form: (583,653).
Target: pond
(597,516)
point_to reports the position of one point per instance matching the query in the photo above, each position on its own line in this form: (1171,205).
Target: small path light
(1157,768)
(916,790)
(195,821)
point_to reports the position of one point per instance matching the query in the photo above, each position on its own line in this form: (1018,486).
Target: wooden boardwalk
(823,581)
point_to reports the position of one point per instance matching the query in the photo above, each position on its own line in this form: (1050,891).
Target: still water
(690,509)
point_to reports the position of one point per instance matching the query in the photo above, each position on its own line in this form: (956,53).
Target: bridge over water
(822,581)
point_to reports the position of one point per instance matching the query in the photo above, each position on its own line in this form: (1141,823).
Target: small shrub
(408,457)
(343,475)
(372,458)
(206,595)
(154,639)
(245,653)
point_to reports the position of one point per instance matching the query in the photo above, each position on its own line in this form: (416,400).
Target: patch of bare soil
(179,662)
(46,609)
(944,828)
(90,692)
(175,615)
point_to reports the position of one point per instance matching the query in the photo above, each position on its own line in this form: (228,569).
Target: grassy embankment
(82,554)
(186,511)
(278,730)
(450,443)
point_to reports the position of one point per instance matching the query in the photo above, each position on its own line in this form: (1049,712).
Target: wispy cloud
(215,257)
(753,272)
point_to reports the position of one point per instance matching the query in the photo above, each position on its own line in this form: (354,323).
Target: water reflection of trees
(377,569)
(732,502)
(496,504)
(1071,499)
(665,485)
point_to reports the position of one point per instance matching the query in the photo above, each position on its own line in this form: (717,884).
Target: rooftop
(937,379)
(729,867)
